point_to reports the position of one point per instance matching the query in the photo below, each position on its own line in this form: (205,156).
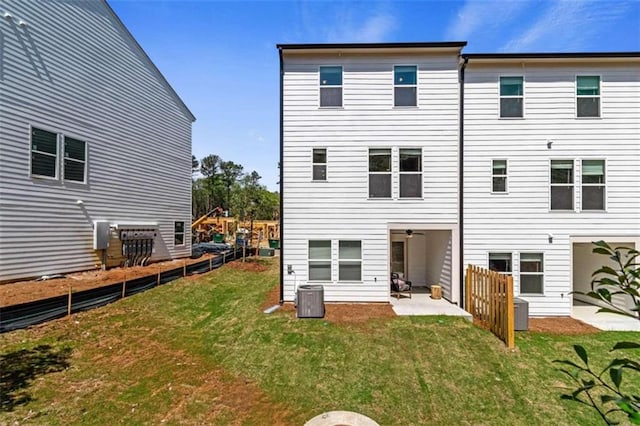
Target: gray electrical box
(310,301)
(521,314)
(101,230)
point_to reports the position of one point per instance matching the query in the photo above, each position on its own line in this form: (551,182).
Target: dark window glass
(320,260)
(319,172)
(331,86)
(43,141)
(405,96)
(511,86)
(319,155)
(74,148)
(331,96)
(500,262)
(531,284)
(511,96)
(405,79)
(410,185)
(593,198)
(380,160)
(499,171)
(350,261)
(74,170)
(330,76)
(43,165)
(405,75)
(588,86)
(499,184)
(44,153)
(588,107)
(319,164)
(511,107)
(531,273)
(380,185)
(562,171)
(410,160)
(562,198)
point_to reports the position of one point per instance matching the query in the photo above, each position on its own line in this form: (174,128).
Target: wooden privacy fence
(489,299)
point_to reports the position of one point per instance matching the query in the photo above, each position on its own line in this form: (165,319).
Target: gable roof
(146,58)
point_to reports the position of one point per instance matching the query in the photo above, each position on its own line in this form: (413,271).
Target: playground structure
(216,227)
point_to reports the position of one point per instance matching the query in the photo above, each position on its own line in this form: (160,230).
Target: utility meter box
(101,230)
(310,301)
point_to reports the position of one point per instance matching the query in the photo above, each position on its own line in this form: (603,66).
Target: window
(499,175)
(500,262)
(178,234)
(561,184)
(74,159)
(405,85)
(349,261)
(44,153)
(593,185)
(531,273)
(319,164)
(397,257)
(588,96)
(320,260)
(411,173)
(331,86)
(380,173)
(511,96)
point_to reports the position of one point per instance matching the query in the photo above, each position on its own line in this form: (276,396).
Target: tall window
(44,153)
(593,185)
(349,260)
(511,96)
(405,85)
(319,260)
(319,164)
(178,233)
(500,262)
(331,86)
(74,159)
(499,176)
(411,173)
(562,184)
(588,96)
(397,257)
(380,173)
(531,273)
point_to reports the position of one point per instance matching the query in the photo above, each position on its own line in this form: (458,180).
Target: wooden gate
(489,299)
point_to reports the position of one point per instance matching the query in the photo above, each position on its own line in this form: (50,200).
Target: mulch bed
(560,325)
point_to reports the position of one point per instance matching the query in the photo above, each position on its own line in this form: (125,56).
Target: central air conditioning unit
(310,301)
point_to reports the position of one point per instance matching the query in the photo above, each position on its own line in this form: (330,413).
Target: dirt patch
(249,265)
(560,325)
(31,290)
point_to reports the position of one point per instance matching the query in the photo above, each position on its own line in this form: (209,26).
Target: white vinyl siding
(137,165)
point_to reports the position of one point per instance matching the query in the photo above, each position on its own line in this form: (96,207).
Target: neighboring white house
(92,137)
(371,142)
(551,163)
(370,137)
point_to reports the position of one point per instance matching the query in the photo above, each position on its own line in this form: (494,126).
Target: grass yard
(200,351)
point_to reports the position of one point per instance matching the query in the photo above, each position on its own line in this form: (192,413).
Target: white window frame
(393,80)
(183,233)
(520,273)
(313,165)
(390,173)
(498,252)
(505,176)
(329,259)
(599,96)
(573,185)
(31,151)
(421,173)
(341,86)
(603,185)
(85,163)
(512,97)
(352,260)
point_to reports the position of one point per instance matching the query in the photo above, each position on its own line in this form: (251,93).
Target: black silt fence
(31,313)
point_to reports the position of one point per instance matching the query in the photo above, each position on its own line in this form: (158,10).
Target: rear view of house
(95,151)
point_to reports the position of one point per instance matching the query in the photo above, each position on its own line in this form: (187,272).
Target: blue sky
(220,56)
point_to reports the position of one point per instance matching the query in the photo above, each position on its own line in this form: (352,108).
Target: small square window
(331,86)
(588,96)
(405,85)
(319,164)
(511,97)
(500,262)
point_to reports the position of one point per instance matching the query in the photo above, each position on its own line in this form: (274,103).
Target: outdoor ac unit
(310,301)
(521,314)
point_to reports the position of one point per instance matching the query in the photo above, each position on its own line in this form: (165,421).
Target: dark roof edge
(551,55)
(162,78)
(370,45)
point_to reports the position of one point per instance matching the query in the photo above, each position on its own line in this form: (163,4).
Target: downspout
(461,182)
(281,178)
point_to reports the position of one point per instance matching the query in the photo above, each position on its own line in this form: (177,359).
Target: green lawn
(200,351)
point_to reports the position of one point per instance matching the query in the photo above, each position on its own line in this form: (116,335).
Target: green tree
(230,173)
(210,169)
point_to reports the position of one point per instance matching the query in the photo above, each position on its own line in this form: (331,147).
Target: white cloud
(567,25)
(478,18)
(373,29)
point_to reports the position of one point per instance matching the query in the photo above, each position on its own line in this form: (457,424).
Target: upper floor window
(319,164)
(379,173)
(411,173)
(562,184)
(75,152)
(178,233)
(44,153)
(349,260)
(500,262)
(499,176)
(405,85)
(588,96)
(319,260)
(511,96)
(331,86)
(531,273)
(593,185)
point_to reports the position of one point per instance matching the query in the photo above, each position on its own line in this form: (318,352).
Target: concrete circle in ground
(341,418)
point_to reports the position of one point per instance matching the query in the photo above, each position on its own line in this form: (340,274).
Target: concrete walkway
(421,303)
(604,321)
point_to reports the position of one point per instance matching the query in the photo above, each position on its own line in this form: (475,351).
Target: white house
(369,184)
(94,144)
(551,163)
(372,138)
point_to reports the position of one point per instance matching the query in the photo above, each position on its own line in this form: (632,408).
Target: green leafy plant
(602,390)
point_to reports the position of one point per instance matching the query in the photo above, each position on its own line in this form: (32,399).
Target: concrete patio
(421,303)
(604,321)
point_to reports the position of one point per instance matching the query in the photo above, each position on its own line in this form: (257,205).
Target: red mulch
(560,325)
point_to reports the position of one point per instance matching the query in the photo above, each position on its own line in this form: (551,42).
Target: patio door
(398,257)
